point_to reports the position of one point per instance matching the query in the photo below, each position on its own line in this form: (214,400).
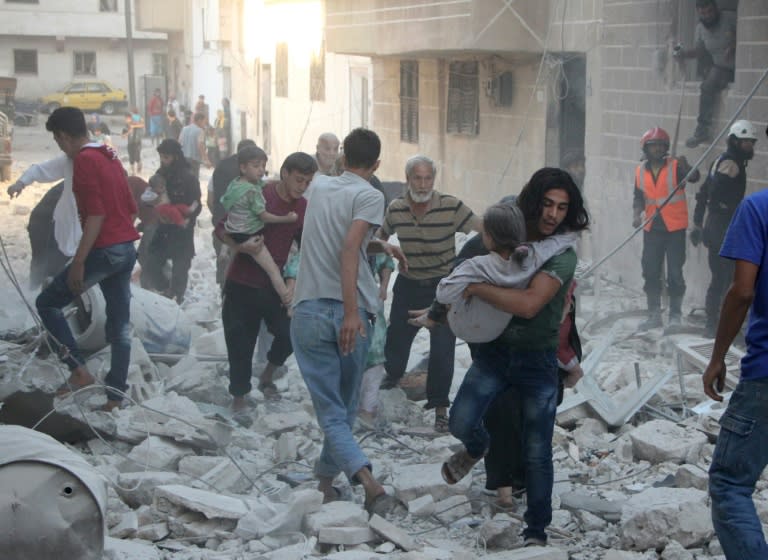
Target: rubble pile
(188,480)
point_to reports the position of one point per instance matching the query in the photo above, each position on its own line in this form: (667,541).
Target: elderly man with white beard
(425,222)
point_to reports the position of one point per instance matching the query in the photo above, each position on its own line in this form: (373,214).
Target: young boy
(157,196)
(247,215)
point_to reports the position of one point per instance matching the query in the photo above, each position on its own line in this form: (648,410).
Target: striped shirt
(428,241)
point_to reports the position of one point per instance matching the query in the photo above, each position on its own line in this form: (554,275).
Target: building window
(85,63)
(24,61)
(409,101)
(281,70)
(463,98)
(107,5)
(159,64)
(317,75)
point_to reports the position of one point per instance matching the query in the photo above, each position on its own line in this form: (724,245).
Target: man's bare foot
(420,318)
(239,404)
(78,379)
(111,405)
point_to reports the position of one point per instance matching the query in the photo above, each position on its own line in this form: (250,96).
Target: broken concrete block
(155,453)
(292,552)
(266,517)
(138,488)
(393,533)
(675,551)
(127,527)
(691,476)
(628,555)
(422,507)
(661,440)
(659,515)
(118,549)
(412,481)
(452,509)
(286,448)
(500,533)
(348,536)
(609,510)
(530,553)
(196,529)
(335,514)
(213,506)
(153,532)
(279,422)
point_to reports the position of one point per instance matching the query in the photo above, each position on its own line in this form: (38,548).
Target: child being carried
(247,214)
(511,263)
(156,195)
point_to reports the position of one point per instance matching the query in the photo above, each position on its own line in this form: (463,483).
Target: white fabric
(66,226)
(475,320)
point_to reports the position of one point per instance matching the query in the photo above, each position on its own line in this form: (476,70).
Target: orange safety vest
(675,213)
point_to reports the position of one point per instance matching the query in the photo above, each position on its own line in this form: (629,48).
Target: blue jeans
(534,376)
(333,381)
(110,268)
(739,458)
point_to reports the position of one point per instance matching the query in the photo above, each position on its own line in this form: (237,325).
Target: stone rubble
(209,487)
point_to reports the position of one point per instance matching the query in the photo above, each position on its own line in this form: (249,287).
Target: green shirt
(541,332)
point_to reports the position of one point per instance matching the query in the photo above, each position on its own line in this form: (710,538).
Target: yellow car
(87,96)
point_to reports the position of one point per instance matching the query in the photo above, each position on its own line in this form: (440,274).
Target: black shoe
(699,137)
(652,322)
(389,383)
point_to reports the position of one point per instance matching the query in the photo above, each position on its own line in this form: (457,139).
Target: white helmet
(744,130)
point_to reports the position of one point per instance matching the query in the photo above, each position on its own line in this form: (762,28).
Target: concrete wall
(638,92)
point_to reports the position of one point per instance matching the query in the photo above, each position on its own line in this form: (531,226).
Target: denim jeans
(110,268)
(533,375)
(333,381)
(739,458)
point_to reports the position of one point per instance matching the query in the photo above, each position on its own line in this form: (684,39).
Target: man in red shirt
(104,256)
(155,110)
(248,295)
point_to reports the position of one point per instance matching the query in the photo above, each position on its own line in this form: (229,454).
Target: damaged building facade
(494,90)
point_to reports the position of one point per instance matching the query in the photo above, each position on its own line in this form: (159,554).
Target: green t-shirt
(541,332)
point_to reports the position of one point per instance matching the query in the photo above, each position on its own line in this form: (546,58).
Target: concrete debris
(336,514)
(347,536)
(413,481)
(531,553)
(658,441)
(602,508)
(658,516)
(213,506)
(393,533)
(155,453)
(692,476)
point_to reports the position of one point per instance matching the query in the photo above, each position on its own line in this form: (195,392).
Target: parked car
(6,130)
(91,95)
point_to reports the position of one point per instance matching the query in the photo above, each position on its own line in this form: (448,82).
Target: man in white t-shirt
(335,300)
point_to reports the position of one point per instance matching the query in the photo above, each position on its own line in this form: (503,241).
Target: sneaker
(652,322)
(534,541)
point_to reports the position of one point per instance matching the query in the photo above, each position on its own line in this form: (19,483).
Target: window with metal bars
(463,109)
(85,63)
(409,101)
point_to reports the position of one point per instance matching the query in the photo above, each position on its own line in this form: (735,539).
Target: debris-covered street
(187,479)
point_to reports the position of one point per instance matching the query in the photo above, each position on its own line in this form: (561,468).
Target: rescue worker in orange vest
(664,235)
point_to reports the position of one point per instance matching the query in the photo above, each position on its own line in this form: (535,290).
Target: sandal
(441,424)
(458,466)
(269,390)
(384,504)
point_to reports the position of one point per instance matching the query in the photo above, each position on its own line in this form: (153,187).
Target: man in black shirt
(719,196)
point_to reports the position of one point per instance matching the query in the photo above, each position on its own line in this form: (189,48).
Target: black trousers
(418,294)
(715,81)
(656,246)
(722,274)
(242,311)
(177,245)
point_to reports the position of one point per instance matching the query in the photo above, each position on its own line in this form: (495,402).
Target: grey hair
(419,160)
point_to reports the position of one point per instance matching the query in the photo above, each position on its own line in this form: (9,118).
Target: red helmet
(656,134)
